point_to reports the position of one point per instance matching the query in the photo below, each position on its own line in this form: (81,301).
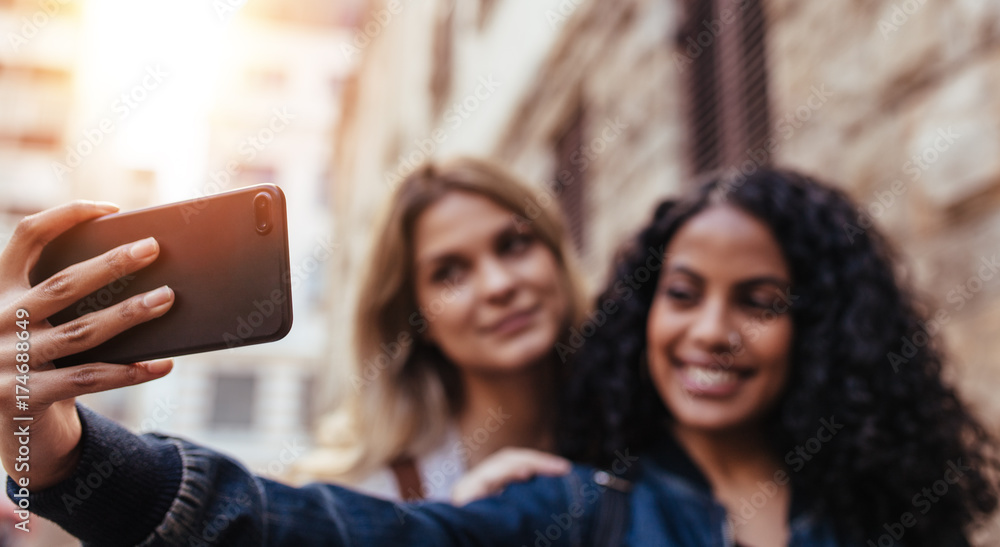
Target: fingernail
(142,249)
(158,297)
(160,367)
(106,205)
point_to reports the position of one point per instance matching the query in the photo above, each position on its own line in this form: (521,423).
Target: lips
(708,379)
(513,322)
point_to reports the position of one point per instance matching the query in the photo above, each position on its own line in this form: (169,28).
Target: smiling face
(492,296)
(719,332)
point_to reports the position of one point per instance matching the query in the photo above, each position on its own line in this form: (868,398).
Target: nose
(495,281)
(712,328)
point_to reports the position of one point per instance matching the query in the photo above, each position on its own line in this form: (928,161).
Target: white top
(439,471)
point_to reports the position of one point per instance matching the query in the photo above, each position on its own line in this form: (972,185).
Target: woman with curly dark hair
(776,351)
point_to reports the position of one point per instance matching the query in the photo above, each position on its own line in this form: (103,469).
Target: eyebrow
(508,228)
(758,280)
(437,259)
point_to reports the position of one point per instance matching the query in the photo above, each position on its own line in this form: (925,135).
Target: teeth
(709,377)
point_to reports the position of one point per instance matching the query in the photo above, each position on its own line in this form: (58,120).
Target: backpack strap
(408,479)
(613,514)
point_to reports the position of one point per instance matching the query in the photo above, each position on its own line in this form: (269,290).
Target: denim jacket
(157,490)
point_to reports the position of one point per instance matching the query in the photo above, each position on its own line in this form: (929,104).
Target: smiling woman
(725,271)
(757,368)
(462,304)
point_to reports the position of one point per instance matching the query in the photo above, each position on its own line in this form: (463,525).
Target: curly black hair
(860,352)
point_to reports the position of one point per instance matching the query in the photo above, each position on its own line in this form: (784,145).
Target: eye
(450,271)
(680,294)
(760,301)
(514,243)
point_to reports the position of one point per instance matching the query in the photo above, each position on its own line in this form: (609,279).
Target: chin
(521,354)
(693,412)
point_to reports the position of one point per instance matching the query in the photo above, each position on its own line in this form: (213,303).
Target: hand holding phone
(28,344)
(225,257)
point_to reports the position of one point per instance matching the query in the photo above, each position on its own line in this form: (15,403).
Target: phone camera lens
(262,213)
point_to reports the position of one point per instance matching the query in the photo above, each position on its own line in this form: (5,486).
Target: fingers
(52,386)
(539,463)
(504,467)
(96,327)
(33,232)
(79,280)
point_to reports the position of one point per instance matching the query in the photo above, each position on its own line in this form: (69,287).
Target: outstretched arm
(155,490)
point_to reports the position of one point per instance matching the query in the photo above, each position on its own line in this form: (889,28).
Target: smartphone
(225,256)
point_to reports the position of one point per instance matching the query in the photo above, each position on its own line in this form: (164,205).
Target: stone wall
(911,126)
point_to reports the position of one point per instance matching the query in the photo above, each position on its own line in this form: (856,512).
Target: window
(307,402)
(568,181)
(721,48)
(234,401)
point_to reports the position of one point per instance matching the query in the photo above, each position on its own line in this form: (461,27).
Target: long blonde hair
(404,391)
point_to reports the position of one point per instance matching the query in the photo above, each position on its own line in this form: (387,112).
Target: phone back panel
(231,281)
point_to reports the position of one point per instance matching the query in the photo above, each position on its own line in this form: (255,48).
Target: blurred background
(606,105)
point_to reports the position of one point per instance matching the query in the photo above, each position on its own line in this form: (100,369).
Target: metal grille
(722,55)
(569,182)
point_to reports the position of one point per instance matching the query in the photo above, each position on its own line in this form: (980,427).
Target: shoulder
(441,468)
(380,483)
(438,470)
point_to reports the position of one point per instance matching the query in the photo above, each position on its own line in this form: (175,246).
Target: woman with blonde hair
(469,286)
